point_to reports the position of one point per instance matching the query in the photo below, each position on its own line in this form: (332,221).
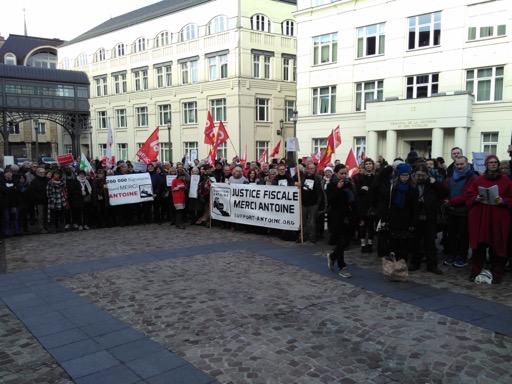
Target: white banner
(269,206)
(194,183)
(129,189)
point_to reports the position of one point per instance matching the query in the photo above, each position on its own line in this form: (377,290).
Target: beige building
(166,65)
(401,75)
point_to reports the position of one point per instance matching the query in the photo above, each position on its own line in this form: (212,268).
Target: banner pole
(236,153)
(300,195)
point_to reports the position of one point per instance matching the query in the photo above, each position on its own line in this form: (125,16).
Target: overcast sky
(62,19)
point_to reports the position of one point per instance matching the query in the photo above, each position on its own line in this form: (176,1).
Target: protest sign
(479,161)
(268,206)
(129,189)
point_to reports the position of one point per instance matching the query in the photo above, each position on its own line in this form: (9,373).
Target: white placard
(292,144)
(139,166)
(268,206)
(479,161)
(194,183)
(169,179)
(129,189)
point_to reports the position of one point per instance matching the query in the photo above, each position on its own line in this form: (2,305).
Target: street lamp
(169,126)
(281,132)
(294,118)
(36,128)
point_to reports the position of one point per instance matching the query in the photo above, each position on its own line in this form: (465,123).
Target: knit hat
(327,169)
(403,168)
(412,157)
(490,157)
(396,163)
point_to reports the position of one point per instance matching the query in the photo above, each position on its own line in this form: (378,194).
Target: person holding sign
(178,187)
(311,198)
(489,221)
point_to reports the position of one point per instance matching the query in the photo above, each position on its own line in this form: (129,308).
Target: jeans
(309,220)
(11,214)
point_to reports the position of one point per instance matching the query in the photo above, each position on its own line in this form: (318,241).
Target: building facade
(166,65)
(401,75)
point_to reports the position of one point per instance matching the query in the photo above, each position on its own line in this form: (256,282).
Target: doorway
(422,147)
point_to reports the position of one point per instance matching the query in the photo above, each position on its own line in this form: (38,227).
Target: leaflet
(489,194)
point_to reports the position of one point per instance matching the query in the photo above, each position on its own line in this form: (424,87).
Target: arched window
(65,64)
(288,28)
(189,32)
(218,24)
(44,59)
(162,39)
(260,22)
(140,45)
(81,60)
(100,55)
(10,59)
(119,50)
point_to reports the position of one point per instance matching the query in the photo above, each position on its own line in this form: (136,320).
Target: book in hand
(489,194)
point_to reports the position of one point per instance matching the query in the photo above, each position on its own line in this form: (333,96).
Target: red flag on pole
(150,149)
(263,156)
(326,157)
(209,130)
(275,151)
(337,137)
(243,160)
(222,135)
(351,163)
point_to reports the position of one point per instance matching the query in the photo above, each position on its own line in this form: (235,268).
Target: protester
(178,190)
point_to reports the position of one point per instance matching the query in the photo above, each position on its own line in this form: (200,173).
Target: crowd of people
(401,208)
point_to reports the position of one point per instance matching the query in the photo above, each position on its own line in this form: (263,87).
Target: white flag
(110,143)
(84,164)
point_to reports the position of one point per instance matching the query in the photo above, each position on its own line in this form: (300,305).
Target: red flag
(275,151)
(222,135)
(211,156)
(337,137)
(209,130)
(351,163)
(263,156)
(326,157)
(150,149)
(317,156)
(243,160)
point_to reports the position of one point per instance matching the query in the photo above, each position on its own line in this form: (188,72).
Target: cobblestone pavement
(250,314)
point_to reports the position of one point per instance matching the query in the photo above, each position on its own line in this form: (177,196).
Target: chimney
(2,40)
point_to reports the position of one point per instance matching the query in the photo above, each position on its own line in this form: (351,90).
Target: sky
(61,19)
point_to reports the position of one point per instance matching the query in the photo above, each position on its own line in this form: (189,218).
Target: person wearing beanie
(402,168)
(396,163)
(363,183)
(412,158)
(489,222)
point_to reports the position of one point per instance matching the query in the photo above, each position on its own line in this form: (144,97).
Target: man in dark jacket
(37,189)
(9,194)
(311,198)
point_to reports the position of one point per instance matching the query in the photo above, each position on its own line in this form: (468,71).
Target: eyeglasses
(492,162)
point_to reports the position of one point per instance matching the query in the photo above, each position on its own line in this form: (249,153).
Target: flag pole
(236,153)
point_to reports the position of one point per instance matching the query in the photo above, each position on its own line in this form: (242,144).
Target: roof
(144,14)
(43,74)
(21,45)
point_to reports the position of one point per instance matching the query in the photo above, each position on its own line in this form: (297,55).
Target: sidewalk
(150,304)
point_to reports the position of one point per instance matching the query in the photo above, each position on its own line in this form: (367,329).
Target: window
(102,119)
(164,114)
(140,45)
(324,100)
(189,71)
(289,68)
(101,86)
(68,148)
(319,145)
(189,32)
(47,59)
(120,83)
(370,40)
(100,55)
(102,149)
(490,142)
(141,80)
(288,28)
(422,85)
(122,151)
(142,116)
(217,67)
(222,151)
(359,148)
(266,67)
(218,109)
(261,64)
(14,128)
(10,59)
(66,63)
(262,110)
(218,24)
(261,146)
(256,66)
(289,106)
(164,76)
(477,33)
(188,147)
(41,128)
(371,90)
(162,39)
(190,112)
(260,23)
(119,50)
(325,49)
(121,121)
(425,30)
(81,60)
(164,151)
(485,83)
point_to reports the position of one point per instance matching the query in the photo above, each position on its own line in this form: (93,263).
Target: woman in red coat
(489,223)
(178,186)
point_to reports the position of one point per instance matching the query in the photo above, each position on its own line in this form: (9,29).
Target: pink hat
(489,157)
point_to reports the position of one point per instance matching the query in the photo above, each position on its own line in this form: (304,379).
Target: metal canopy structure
(56,95)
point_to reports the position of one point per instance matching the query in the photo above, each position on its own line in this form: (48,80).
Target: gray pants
(309,221)
(42,216)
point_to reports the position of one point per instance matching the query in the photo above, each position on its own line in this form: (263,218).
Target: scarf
(492,175)
(84,184)
(458,181)
(401,194)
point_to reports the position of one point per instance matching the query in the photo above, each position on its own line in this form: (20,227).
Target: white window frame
(101,86)
(371,36)
(142,115)
(102,150)
(260,148)
(417,34)
(164,114)
(188,147)
(218,24)
(140,45)
(189,72)
(319,144)
(102,119)
(324,100)
(162,39)
(325,49)
(359,141)
(68,148)
(288,28)
(120,83)
(41,128)
(483,32)
(121,118)
(289,69)
(262,109)
(119,50)
(190,112)
(218,109)
(164,76)
(416,82)
(10,59)
(490,142)
(368,90)
(164,151)
(189,32)
(290,106)
(82,59)
(222,151)
(260,22)
(487,84)
(100,55)
(122,151)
